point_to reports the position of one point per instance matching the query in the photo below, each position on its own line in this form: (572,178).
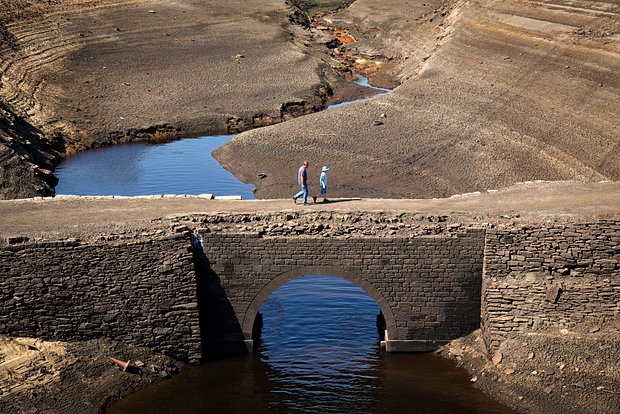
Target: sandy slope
(87,73)
(492,93)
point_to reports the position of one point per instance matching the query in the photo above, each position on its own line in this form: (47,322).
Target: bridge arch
(352,275)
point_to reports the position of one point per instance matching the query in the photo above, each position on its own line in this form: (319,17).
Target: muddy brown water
(319,353)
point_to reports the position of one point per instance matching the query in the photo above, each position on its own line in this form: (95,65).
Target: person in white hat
(323,185)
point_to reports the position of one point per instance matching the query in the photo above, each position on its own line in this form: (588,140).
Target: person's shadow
(337,200)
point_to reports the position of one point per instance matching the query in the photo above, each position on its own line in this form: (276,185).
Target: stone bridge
(428,288)
(191,284)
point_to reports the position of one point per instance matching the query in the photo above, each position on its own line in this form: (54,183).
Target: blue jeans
(303,192)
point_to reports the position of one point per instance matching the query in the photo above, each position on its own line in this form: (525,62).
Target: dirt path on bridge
(87,217)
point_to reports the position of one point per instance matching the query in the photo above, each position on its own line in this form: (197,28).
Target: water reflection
(318,354)
(179,167)
(321,345)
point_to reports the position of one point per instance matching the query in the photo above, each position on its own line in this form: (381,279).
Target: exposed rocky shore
(488,94)
(550,370)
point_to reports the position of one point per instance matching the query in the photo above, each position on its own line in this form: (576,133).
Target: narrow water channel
(319,353)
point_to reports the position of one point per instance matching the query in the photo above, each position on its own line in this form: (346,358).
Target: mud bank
(82,74)
(65,377)
(491,93)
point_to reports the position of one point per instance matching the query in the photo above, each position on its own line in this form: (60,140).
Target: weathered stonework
(428,288)
(141,292)
(558,276)
(193,284)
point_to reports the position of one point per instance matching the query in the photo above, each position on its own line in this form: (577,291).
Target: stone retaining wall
(561,276)
(142,292)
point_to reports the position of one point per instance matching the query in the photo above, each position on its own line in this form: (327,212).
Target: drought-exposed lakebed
(318,352)
(185,166)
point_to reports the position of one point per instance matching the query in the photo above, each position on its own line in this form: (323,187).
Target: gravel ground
(550,371)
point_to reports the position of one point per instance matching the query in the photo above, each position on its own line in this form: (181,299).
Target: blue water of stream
(319,353)
(180,167)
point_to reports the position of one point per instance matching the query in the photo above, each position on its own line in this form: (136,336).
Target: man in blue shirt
(302,180)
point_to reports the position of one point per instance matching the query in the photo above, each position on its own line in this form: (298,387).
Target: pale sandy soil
(72,216)
(491,93)
(28,363)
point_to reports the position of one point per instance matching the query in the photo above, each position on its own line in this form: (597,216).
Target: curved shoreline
(147,70)
(490,94)
(159,168)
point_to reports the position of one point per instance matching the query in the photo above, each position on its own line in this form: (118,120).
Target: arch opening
(253,321)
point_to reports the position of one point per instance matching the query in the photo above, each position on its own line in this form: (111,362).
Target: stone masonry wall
(430,284)
(561,276)
(148,288)
(142,292)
